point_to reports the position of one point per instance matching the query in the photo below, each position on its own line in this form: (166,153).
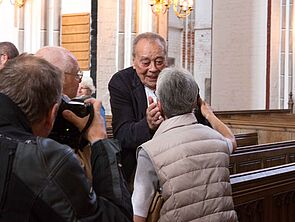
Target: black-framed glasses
(78,75)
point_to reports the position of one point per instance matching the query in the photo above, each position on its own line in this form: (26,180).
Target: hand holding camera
(78,122)
(96,130)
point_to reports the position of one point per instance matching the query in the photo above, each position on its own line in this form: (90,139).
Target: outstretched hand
(96,130)
(216,123)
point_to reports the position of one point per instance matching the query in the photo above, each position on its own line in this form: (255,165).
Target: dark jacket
(128,104)
(42,180)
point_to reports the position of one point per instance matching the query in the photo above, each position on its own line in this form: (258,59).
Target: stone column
(203,47)
(107,35)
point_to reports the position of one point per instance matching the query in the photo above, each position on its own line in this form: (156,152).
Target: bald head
(60,57)
(67,63)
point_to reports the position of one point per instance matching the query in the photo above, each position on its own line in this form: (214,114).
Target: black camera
(65,132)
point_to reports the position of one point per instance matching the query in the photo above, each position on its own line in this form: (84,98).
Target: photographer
(42,180)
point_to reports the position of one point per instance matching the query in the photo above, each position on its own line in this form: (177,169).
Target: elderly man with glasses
(68,64)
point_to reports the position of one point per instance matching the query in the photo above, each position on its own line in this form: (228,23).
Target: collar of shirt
(151,93)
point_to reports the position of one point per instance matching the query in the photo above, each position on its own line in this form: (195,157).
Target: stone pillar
(203,47)
(56,22)
(107,35)
(21,29)
(175,38)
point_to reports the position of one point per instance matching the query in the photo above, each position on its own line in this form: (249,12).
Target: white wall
(75,6)
(203,45)
(239,54)
(8,31)
(275,52)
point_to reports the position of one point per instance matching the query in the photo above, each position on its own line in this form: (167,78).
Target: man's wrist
(95,141)
(208,115)
(92,140)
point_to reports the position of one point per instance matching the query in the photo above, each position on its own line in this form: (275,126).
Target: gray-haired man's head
(177,91)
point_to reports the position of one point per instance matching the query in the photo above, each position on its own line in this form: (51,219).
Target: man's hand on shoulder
(96,130)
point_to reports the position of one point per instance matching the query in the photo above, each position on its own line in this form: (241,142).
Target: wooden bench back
(261,156)
(270,125)
(246,139)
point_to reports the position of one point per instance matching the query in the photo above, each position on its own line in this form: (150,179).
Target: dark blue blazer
(128,104)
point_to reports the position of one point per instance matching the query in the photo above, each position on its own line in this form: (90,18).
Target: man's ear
(159,105)
(52,115)
(161,109)
(43,128)
(133,66)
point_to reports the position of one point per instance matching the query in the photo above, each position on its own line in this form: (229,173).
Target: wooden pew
(271,125)
(246,139)
(266,195)
(262,156)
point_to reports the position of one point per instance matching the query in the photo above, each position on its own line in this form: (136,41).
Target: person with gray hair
(7,51)
(186,161)
(86,90)
(86,87)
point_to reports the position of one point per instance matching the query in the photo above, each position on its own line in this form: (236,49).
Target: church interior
(240,52)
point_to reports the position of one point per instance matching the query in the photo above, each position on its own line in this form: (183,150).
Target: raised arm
(217,124)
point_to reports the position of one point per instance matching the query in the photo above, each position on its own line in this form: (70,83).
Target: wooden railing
(262,156)
(270,125)
(243,139)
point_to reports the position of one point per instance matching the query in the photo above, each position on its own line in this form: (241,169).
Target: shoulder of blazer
(128,76)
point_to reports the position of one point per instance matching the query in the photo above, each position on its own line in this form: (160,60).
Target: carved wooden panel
(284,206)
(262,156)
(250,211)
(266,195)
(244,166)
